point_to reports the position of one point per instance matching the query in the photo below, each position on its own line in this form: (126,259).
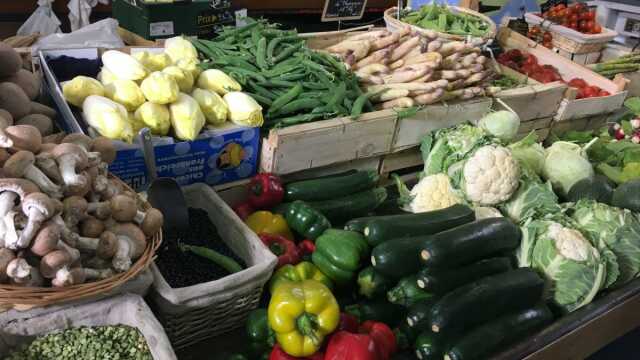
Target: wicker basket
(571,40)
(393,24)
(194,313)
(22,298)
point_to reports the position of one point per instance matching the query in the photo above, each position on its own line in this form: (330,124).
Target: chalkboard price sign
(335,10)
(551,3)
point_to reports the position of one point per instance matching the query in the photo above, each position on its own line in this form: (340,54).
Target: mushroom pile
(63,221)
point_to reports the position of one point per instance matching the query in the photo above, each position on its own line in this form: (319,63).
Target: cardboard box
(217,156)
(201,18)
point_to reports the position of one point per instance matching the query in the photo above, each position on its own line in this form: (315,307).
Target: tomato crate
(570,108)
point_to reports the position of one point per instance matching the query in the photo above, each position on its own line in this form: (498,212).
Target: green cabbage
(533,199)
(572,266)
(565,164)
(502,124)
(612,228)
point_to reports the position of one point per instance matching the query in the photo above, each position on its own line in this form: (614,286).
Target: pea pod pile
(292,82)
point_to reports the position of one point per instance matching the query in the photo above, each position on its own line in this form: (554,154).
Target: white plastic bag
(103,33)
(80,11)
(43,21)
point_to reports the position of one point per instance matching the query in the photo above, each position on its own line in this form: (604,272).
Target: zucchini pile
(462,297)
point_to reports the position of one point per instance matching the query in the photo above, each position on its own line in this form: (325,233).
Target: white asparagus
(390,95)
(450,61)
(477,77)
(455,85)
(385,41)
(404,48)
(481,59)
(454,74)
(425,78)
(403,102)
(430,86)
(371,79)
(372,69)
(434,45)
(396,65)
(452,48)
(406,75)
(359,49)
(430,98)
(469,59)
(431,57)
(379,56)
(369,35)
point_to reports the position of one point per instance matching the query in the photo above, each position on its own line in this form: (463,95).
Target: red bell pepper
(265,191)
(348,346)
(243,210)
(278,354)
(306,247)
(382,335)
(283,248)
(348,323)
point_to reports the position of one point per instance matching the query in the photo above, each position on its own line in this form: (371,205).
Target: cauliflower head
(491,175)
(433,192)
(570,243)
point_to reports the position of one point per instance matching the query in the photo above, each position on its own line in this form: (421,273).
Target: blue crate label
(214,160)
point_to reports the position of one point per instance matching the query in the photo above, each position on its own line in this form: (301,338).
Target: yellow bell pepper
(303,271)
(302,314)
(265,222)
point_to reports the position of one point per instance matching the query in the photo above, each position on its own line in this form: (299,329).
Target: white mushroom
(54,261)
(10,232)
(21,164)
(71,157)
(39,208)
(85,143)
(49,239)
(78,275)
(19,270)
(47,163)
(131,245)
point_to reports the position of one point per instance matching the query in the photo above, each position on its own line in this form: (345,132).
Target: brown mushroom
(21,164)
(71,157)
(104,247)
(39,208)
(97,263)
(112,189)
(54,138)
(41,122)
(49,239)
(79,190)
(85,143)
(24,137)
(150,222)
(12,189)
(54,261)
(79,275)
(102,210)
(9,231)
(19,270)
(74,210)
(6,256)
(105,147)
(68,235)
(131,245)
(123,208)
(7,118)
(91,227)
(4,156)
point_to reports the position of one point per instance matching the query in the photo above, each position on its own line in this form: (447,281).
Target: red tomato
(589,92)
(577,83)
(547,36)
(604,93)
(573,17)
(530,60)
(573,25)
(597,29)
(591,15)
(515,55)
(579,7)
(595,88)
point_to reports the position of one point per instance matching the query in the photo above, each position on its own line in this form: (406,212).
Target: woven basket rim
(389,17)
(13,295)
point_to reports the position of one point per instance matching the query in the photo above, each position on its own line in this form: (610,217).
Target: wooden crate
(534,100)
(580,59)
(570,108)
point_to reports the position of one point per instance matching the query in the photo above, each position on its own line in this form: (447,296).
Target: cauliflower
(160,88)
(570,243)
(491,175)
(486,212)
(433,192)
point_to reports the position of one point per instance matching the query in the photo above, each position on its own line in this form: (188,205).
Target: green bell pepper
(261,337)
(306,220)
(339,254)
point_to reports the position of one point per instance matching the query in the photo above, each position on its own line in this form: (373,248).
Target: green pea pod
(224,261)
(286,98)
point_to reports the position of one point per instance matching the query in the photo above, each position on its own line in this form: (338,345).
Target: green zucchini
(480,342)
(385,228)
(627,196)
(428,347)
(398,257)
(405,336)
(486,299)
(372,284)
(442,281)
(358,224)
(419,314)
(470,242)
(407,292)
(330,187)
(377,310)
(349,206)
(598,188)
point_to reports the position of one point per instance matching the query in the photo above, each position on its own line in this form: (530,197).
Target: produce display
(405,69)
(166,92)
(545,37)
(293,83)
(577,17)
(623,64)
(442,18)
(98,342)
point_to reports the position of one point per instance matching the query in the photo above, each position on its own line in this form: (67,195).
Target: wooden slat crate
(570,108)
